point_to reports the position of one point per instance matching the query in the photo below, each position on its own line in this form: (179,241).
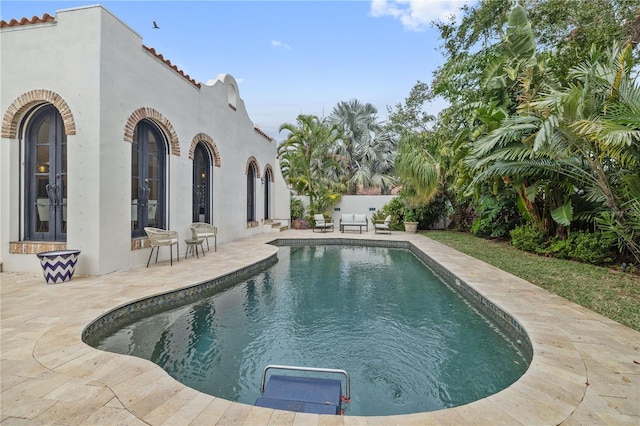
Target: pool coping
(583,369)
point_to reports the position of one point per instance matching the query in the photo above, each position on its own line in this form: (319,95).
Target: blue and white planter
(58,266)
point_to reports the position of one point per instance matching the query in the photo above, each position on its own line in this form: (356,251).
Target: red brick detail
(33,247)
(140,243)
(26,101)
(253,160)
(153,115)
(208,141)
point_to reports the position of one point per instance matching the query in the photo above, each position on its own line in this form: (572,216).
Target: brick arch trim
(269,169)
(29,99)
(208,141)
(253,160)
(153,115)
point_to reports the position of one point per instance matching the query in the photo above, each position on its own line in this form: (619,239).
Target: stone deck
(585,368)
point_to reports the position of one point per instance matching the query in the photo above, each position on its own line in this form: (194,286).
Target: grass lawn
(609,292)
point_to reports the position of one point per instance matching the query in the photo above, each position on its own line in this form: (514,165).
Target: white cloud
(277,44)
(417,15)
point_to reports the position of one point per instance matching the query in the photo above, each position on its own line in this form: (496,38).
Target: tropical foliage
(541,134)
(307,162)
(366,149)
(327,157)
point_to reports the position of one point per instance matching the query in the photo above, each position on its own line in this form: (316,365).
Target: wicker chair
(206,230)
(162,237)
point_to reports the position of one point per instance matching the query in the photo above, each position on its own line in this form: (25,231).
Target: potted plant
(410,222)
(297,214)
(58,266)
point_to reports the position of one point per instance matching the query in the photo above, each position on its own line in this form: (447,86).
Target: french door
(267,194)
(148,171)
(201,210)
(251,193)
(46,177)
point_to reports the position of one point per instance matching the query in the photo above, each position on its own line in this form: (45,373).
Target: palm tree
(307,162)
(418,167)
(367,150)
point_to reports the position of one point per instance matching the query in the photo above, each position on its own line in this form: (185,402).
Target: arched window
(251,192)
(46,176)
(267,193)
(148,177)
(201,184)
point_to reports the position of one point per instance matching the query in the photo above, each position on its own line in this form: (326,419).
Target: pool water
(409,342)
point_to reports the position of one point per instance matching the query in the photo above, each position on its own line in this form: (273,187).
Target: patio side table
(192,245)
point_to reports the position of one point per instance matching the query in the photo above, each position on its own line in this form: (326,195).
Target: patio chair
(206,230)
(162,237)
(321,223)
(382,226)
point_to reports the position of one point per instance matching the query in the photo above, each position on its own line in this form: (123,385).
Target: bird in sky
(155,26)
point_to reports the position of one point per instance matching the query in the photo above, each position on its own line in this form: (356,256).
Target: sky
(288,57)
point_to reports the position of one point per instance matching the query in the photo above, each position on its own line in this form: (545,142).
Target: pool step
(271,225)
(303,393)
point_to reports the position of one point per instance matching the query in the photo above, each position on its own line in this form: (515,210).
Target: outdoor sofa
(353,220)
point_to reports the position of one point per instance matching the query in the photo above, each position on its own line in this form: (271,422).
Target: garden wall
(360,204)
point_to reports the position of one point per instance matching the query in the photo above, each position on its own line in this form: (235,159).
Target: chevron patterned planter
(58,266)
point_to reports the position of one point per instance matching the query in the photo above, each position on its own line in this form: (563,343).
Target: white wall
(99,66)
(358,204)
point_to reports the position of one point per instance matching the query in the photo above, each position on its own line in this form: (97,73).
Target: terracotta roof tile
(257,129)
(26,21)
(175,68)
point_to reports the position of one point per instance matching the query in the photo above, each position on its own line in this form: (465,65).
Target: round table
(192,245)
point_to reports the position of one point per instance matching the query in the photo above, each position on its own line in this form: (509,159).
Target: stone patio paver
(584,371)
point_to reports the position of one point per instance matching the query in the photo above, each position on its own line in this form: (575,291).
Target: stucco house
(102,136)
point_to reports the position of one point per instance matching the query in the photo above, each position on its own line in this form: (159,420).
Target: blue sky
(289,57)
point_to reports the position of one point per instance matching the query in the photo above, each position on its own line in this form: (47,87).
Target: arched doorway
(148,178)
(45,176)
(252,174)
(267,194)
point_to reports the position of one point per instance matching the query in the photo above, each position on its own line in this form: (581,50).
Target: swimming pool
(410,343)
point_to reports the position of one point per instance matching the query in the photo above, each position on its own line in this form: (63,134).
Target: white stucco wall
(357,204)
(98,65)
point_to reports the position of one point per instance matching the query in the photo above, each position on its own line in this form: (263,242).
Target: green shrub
(297,208)
(428,214)
(527,238)
(589,247)
(396,209)
(494,216)
(463,217)
(558,248)
(425,214)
